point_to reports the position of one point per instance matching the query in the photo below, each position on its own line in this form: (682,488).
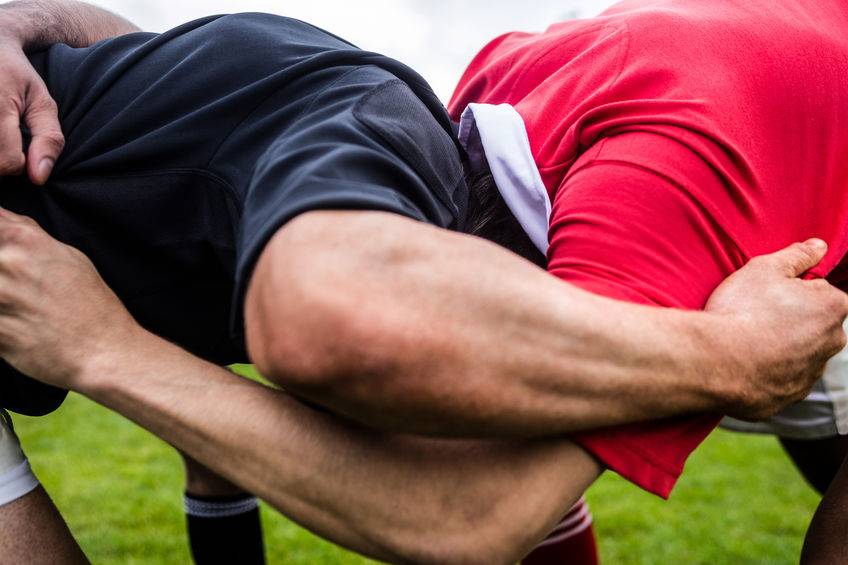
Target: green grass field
(740,502)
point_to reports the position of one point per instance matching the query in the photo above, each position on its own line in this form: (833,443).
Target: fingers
(796,259)
(11,144)
(19,235)
(837,299)
(42,118)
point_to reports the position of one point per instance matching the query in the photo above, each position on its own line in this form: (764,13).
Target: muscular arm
(38,24)
(427,331)
(396,498)
(393,497)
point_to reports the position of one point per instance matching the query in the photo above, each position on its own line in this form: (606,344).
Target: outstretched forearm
(38,24)
(421,330)
(397,498)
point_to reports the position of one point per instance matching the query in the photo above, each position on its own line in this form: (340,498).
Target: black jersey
(187,150)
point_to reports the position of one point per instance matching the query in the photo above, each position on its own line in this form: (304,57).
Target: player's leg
(31,529)
(223,521)
(33,532)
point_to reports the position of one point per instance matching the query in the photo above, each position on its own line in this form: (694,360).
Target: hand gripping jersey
(676,139)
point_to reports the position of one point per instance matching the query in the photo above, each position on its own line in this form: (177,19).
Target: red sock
(571,543)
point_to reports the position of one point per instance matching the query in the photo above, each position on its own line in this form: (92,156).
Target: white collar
(496,136)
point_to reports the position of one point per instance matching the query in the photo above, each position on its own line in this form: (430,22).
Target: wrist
(724,368)
(107,360)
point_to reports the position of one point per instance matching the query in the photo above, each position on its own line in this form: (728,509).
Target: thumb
(798,258)
(42,119)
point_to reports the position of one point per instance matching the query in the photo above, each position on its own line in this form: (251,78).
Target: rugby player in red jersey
(673,141)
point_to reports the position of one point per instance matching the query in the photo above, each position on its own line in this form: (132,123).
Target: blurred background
(740,501)
(435,37)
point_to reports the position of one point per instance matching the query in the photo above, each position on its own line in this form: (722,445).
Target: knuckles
(42,101)
(819,284)
(837,343)
(758,263)
(54,139)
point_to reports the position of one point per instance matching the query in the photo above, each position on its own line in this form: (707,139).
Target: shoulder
(405,122)
(256,27)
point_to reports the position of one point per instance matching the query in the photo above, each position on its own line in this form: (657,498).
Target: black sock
(224,530)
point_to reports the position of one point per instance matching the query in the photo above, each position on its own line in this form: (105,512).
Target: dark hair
(489,217)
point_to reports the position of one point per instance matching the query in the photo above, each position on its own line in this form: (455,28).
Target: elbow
(489,545)
(322,367)
(479,550)
(491,527)
(309,344)
(310,328)
(495,520)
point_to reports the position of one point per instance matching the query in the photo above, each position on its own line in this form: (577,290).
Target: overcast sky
(436,37)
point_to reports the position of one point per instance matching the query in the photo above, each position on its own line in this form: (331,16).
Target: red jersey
(676,140)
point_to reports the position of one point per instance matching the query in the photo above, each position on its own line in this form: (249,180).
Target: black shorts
(187,150)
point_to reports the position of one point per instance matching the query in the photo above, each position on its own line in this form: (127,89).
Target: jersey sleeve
(625,230)
(366,143)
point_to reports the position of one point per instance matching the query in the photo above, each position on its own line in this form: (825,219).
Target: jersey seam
(328,87)
(211,175)
(400,148)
